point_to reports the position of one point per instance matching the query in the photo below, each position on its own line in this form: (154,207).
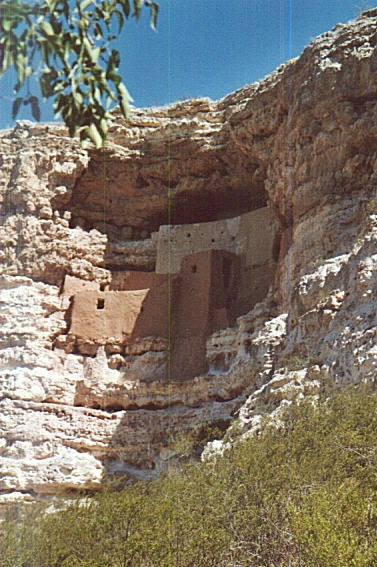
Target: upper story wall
(250,236)
(121,315)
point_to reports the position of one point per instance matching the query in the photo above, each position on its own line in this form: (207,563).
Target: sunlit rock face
(217,258)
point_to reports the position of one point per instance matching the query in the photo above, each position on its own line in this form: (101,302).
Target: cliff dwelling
(205,275)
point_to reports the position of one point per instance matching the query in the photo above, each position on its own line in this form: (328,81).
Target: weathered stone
(126,232)
(86,346)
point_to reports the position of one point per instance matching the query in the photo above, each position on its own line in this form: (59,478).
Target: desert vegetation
(301,492)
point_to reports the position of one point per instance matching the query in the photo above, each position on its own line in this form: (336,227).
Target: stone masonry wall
(206,275)
(186,308)
(250,236)
(253,237)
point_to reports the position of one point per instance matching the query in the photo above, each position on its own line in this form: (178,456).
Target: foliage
(192,442)
(69,50)
(302,494)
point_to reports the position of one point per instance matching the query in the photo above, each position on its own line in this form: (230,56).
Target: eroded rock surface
(302,143)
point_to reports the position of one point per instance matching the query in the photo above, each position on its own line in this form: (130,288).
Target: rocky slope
(304,142)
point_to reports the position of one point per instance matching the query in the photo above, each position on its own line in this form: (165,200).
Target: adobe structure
(206,275)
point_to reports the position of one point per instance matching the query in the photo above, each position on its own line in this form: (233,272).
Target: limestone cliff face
(285,302)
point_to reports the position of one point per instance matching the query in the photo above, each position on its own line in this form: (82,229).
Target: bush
(302,494)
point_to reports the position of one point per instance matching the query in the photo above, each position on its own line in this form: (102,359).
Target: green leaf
(98,34)
(66,9)
(78,98)
(120,19)
(138,4)
(47,29)
(35,110)
(126,7)
(46,87)
(60,103)
(20,64)
(59,86)
(7,56)
(124,99)
(154,8)
(109,99)
(95,53)
(7,24)
(51,4)
(97,94)
(95,136)
(92,52)
(67,109)
(112,66)
(85,143)
(103,128)
(73,122)
(16,106)
(85,4)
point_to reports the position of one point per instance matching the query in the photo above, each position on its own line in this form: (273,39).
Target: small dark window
(193,269)
(188,234)
(212,240)
(100,303)
(102,287)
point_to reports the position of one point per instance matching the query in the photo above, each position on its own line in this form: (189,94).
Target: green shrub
(302,494)
(337,525)
(190,444)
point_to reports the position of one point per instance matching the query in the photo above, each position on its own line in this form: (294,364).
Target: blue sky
(209,47)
